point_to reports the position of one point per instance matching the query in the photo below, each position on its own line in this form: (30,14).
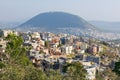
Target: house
(45,50)
(99,48)
(93,59)
(66,49)
(83,46)
(33,52)
(91,69)
(42,42)
(91,72)
(92,49)
(49,38)
(6,32)
(46,36)
(35,35)
(79,57)
(34,45)
(26,37)
(2,43)
(66,40)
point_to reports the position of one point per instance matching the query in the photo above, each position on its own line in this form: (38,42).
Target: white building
(91,70)
(42,42)
(34,52)
(100,49)
(66,49)
(6,32)
(2,43)
(34,45)
(35,35)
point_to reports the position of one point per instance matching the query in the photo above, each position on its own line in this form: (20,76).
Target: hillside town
(52,51)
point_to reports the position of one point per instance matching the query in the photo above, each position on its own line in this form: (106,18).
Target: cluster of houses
(51,51)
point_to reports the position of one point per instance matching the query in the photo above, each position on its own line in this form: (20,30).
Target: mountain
(55,21)
(60,22)
(107,26)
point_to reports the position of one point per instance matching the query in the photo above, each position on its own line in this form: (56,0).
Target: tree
(16,59)
(54,75)
(117,68)
(34,74)
(46,44)
(74,71)
(16,51)
(2,65)
(14,45)
(60,45)
(106,73)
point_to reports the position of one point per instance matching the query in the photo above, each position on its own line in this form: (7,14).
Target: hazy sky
(18,10)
